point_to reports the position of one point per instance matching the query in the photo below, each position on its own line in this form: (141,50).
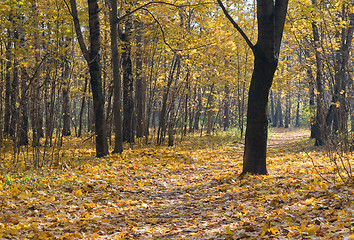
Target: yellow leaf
(309,201)
(78,193)
(227,231)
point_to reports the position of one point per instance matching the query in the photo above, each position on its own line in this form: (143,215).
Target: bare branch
(243,34)
(162,31)
(159,2)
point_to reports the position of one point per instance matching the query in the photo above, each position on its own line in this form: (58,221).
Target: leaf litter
(190,191)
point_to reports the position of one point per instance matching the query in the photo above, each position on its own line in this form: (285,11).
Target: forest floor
(190,191)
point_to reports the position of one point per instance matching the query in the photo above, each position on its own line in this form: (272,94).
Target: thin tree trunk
(82,108)
(128,85)
(14,89)
(319,127)
(23,128)
(140,85)
(226,117)
(66,105)
(117,84)
(163,114)
(7,115)
(209,109)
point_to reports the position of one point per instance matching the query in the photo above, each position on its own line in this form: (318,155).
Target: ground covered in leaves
(190,191)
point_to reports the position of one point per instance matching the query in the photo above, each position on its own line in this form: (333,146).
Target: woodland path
(189,191)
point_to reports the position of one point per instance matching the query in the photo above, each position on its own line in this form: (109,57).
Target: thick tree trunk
(271,18)
(93,59)
(254,160)
(96,80)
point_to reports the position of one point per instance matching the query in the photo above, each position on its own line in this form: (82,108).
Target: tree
(271,19)
(118,141)
(92,58)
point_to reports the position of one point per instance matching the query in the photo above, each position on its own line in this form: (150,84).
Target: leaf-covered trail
(188,191)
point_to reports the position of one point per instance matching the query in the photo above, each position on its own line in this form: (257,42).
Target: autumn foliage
(189,191)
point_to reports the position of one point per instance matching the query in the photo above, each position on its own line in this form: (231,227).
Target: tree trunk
(287,110)
(23,126)
(14,89)
(140,85)
(198,111)
(82,108)
(66,107)
(96,80)
(163,114)
(319,126)
(7,115)
(128,83)
(171,122)
(297,119)
(35,113)
(92,58)
(272,112)
(117,101)
(279,111)
(209,109)
(226,117)
(271,18)
(276,110)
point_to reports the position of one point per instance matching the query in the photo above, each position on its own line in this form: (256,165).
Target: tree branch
(79,35)
(243,34)
(280,15)
(162,31)
(158,2)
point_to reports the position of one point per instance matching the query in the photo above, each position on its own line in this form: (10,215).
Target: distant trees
(163,70)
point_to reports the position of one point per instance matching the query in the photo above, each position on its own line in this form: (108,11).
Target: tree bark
(66,106)
(96,80)
(82,108)
(226,117)
(14,89)
(128,84)
(23,126)
(117,101)
(7,115)
(319,126)
(140,84)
